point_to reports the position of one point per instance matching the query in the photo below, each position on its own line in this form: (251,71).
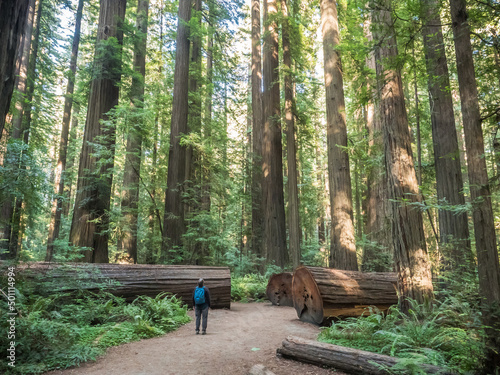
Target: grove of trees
(257,134)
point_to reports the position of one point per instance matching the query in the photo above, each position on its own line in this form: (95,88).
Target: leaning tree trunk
(291,149)
(257,134)
(174,226)
(279,289)
(90,224)
(130,281)
(482,215)
(13,17)
(132,173)
(410,252)
(353,361)
(343,245)
(55,219)
(453,226)
(322,293)
(274,201)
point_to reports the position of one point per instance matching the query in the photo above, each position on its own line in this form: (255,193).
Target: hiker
(201,303)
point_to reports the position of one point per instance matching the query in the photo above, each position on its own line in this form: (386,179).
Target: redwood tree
(174,226)
(343,245)
(410,252)
(90,224)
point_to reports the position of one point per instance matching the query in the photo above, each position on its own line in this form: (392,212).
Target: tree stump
(322,293)
(279,289)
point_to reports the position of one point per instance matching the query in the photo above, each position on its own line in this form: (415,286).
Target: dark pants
(199,312)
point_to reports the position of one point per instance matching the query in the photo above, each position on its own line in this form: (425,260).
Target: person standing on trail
(201,303)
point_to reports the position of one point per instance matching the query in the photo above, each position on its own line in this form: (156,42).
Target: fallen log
(279,289)
(322,293)
(353,361)
(131,280)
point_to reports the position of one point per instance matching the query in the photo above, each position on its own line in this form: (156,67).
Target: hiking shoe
(204,333)
(197,332)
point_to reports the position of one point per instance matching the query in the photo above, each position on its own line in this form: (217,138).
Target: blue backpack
(199,295)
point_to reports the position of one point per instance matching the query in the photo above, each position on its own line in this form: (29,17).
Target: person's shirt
(207,298)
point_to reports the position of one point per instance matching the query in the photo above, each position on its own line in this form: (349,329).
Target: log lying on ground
(353,361)
(132,280)
(322,293)
(279,289)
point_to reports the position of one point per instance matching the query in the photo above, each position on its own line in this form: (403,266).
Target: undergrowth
(62,330)
(447,334)
(248,288)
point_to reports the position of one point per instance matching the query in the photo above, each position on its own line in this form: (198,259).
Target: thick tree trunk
(132,173)
(343,245)
(322,293)
(55,219)
(257,135)
(279,289)
(272,168)
(412,260)
(291,149)
(453,226)
(482,215)
(174,226)
(13,22)
(353,361)
(90,224)
(377,254)
(130,281)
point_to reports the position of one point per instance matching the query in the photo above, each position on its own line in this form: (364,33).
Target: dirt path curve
(236,339)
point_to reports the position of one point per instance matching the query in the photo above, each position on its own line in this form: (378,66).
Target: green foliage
(62,330)
(248,287)
(444,334)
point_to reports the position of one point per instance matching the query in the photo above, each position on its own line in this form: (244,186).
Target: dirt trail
(236,339)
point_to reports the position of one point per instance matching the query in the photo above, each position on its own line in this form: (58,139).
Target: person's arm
(193,300)
(207,292)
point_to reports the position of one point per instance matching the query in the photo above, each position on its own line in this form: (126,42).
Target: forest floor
(236,339)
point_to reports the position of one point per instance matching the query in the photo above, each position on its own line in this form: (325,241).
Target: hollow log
(322,293)
(130,280)
(279,289)
(352,361)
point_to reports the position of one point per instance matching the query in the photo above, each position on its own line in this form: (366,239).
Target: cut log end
(306,297)
(279,289)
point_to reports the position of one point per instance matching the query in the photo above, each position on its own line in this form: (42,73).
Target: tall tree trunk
(291,150)
(343,245)
(412,261)
(453,226)
(60,172)
(257,135)
(132,173)
(13,22)
(174,226)
(90,224)
(272,168)
(482,215)
(68,181)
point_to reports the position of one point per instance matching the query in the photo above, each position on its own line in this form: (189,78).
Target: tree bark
(453,226)
(353,361)
(60,172)
(257,135)
(279,289)
(90,224)
(174,226)
(132,173)
(321,293)
(291,149)
(412,261)
(68,190)
(13,21)
(272,168)
(343,245)
(482,215)
(377,254)
(132,280)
